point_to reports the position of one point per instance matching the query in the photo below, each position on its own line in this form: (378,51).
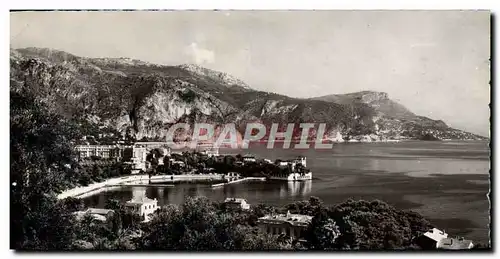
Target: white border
(244,4)
(200,4)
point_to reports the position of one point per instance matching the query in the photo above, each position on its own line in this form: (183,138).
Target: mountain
(378,100)
(393,120)
(216,76)
(140,100)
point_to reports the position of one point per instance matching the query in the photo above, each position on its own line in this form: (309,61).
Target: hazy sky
(433,62)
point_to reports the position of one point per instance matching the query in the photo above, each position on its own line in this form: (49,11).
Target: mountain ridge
(140,98)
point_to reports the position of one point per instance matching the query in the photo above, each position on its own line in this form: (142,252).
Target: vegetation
(94,171)
(40,164)
(187,96)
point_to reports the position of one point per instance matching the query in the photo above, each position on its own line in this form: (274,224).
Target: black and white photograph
(250,130)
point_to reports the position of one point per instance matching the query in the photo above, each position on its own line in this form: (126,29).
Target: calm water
(447,182)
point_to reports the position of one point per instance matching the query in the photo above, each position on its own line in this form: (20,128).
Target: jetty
(239,181)
(141,185)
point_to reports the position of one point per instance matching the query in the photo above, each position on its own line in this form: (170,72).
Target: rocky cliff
(141,100)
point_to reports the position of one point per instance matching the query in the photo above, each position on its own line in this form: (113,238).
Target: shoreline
(134,180)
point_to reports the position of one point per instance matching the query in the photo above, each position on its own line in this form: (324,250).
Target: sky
(436,63)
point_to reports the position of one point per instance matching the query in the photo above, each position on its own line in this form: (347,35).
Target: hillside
(126,97)
(393,120)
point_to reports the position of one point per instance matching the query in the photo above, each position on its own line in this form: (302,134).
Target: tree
(153,157)
(376,225)
(40,152)
(310,207)
(322,232)
(72,204)
(199,225)
(113,204)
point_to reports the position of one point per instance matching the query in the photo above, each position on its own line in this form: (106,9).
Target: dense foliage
(40,163)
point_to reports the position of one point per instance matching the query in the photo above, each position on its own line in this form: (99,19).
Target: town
(156,158)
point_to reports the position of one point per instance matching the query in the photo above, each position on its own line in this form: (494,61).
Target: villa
(292,225)
(438,239)
(431,238)
(99,214)
(237,203)
(141,205)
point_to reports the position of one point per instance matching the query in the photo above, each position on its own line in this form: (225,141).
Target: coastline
(112,183)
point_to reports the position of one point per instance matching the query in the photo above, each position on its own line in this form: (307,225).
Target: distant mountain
(213,75)
(378,100)
(393,120)
(140,99)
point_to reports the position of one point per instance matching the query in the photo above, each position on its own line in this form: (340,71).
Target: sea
(445,181)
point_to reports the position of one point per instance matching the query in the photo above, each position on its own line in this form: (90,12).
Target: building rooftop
(140,200)
(293,219)
(99,214)
(151,142)
(454,244)
(436,234)
(98,211)
(96,146)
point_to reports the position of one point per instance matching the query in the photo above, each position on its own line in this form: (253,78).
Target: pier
(239,181)
(141,185)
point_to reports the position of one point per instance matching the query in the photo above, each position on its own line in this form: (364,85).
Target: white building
(294,162)
(103,151)
(455,244)
(283,163)
(249,158)
(99,214)
(300,160)
(237,203)
(292,225)
(212,152)
(431,238)
(142,205)
(438,239)
(435,235)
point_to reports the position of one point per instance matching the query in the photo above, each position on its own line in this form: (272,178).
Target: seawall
(113,183)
